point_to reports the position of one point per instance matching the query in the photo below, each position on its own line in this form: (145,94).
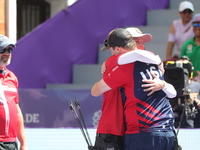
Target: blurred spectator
(181,30)
(191,48)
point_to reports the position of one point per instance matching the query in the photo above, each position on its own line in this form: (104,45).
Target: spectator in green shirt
(191,48)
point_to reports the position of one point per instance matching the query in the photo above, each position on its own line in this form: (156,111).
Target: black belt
(102,135)
(106,135)
(7,142)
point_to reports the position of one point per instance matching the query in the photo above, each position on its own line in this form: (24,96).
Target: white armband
(139,55)
(169,90)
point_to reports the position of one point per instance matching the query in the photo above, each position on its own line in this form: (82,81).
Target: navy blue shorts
(150,141)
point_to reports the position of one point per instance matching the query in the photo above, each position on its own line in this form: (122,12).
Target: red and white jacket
(8,110)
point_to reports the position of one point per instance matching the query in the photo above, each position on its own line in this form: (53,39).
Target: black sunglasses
(187,11)
(106,44)
(9,49)
(196,25)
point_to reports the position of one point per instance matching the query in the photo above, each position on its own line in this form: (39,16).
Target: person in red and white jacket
(11,118)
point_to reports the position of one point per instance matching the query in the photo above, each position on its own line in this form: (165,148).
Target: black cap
(117,37)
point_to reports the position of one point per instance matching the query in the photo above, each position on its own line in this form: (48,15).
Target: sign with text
(49,108)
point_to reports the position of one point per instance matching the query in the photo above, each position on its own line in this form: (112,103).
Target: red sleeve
(118,76)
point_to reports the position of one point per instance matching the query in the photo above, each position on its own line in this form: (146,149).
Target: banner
(49,108)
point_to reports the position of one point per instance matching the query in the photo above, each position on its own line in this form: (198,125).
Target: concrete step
(69,86)
(86,73)
(158,49)
(162,17)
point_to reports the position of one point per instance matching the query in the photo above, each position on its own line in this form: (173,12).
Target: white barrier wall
(72,139)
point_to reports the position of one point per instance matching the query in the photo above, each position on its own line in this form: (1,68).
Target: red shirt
(112,118)
(8,109)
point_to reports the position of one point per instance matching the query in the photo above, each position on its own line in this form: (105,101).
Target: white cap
(135,32)
(186,5)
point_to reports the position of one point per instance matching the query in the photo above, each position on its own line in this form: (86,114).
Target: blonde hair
(130,46)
